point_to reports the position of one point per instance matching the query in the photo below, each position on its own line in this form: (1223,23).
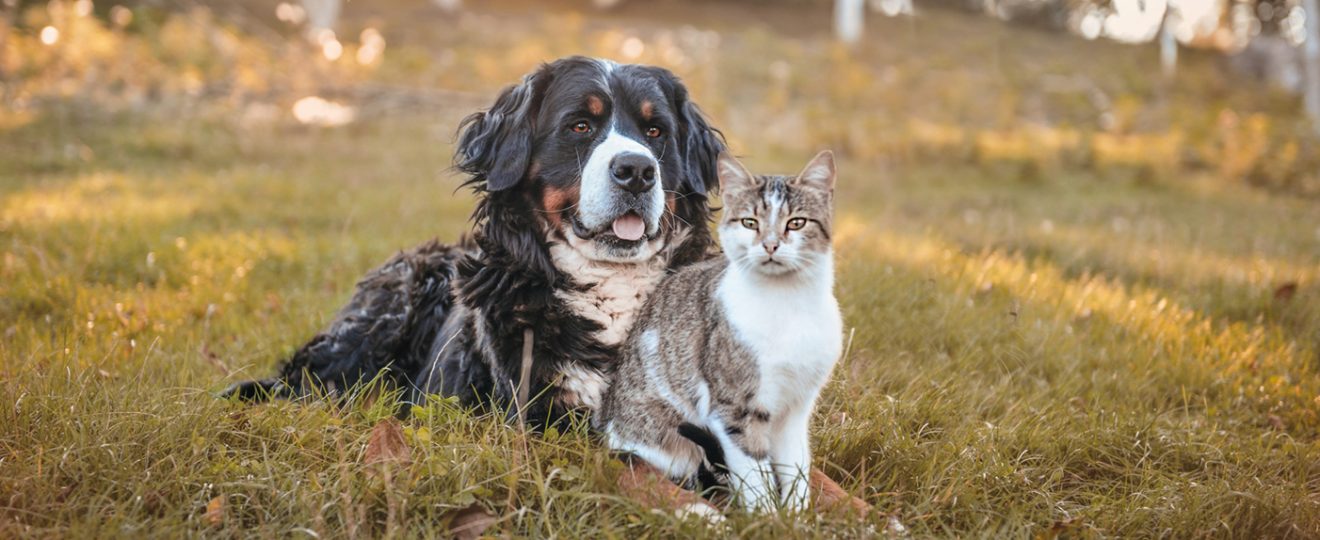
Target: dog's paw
(253,391)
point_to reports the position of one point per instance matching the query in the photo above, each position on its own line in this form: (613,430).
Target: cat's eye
(749,223)
(581,127)
(654,132)
(797,223)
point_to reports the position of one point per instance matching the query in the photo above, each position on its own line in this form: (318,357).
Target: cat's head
(778,225)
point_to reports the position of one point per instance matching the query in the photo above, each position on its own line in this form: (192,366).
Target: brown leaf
(215,512)
(1276,422)
(214,359)
(386,444)
(468,523)
(1286,291)
(1061,528)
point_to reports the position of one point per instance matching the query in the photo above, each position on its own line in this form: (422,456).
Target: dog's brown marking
(595,105)
(648,109)
(554,200)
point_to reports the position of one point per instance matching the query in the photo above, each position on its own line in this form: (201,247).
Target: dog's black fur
(450,319)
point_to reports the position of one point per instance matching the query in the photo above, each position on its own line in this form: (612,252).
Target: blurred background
(1152,88)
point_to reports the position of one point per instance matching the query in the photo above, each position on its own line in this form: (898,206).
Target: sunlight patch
(95,197)
(1181,333)
(316,111)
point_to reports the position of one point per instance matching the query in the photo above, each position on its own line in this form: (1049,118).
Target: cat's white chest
(795,331)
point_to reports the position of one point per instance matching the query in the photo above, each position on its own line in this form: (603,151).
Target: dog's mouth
(627,228)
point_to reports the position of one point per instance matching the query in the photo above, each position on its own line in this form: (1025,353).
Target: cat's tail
(715,468)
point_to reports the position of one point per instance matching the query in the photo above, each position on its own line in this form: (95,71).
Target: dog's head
(599,152)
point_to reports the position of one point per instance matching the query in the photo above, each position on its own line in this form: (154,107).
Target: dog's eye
(749,223)
(654,132)
(796,223)
(581,127)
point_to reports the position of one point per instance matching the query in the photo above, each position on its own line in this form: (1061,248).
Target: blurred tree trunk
(1168,51)
(1311,63)
(848,20)
(322,15)
(7,10)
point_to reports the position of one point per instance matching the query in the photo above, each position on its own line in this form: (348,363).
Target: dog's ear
(699,144)
(495,146)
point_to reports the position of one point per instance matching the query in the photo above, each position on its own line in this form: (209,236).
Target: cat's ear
(819,172)
(733,175)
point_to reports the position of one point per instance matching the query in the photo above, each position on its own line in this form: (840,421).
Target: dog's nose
(633,172)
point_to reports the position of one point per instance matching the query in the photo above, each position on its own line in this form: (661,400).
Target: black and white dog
(592,180)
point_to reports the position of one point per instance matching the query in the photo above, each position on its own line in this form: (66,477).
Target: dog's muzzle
(622,199)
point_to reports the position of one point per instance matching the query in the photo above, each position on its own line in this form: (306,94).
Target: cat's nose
(771,246)
(633,172)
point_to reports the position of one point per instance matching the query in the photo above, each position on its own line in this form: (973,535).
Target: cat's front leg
(752,480)
(751,477)
(792,460)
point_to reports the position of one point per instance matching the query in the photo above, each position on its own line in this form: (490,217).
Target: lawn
(1066,316)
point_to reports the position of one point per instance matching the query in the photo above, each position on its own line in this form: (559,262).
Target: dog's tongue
(629,227)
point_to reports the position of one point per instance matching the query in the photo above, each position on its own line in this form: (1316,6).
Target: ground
(1067,314)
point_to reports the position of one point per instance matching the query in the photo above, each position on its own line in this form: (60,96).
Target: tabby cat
(739,347)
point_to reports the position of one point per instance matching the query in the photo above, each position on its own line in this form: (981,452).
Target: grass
(1066,341)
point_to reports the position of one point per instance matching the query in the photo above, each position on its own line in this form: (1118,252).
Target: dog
(592,180)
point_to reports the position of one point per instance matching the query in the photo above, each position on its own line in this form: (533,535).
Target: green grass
(1040,344)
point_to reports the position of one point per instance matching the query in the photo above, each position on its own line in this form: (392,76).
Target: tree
(1311,63)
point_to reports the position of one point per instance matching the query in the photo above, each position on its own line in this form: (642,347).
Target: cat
(738,347)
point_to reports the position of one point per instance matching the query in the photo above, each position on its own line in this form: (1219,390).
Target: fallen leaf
(468,523)
(386,444)
(1061,528)
(215,512)
(1276,422)
(1286,291)
(214,359)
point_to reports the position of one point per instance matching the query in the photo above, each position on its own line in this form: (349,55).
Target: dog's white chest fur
(612,295)
(794,329)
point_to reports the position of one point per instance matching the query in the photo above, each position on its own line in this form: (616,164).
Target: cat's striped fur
(739,346)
